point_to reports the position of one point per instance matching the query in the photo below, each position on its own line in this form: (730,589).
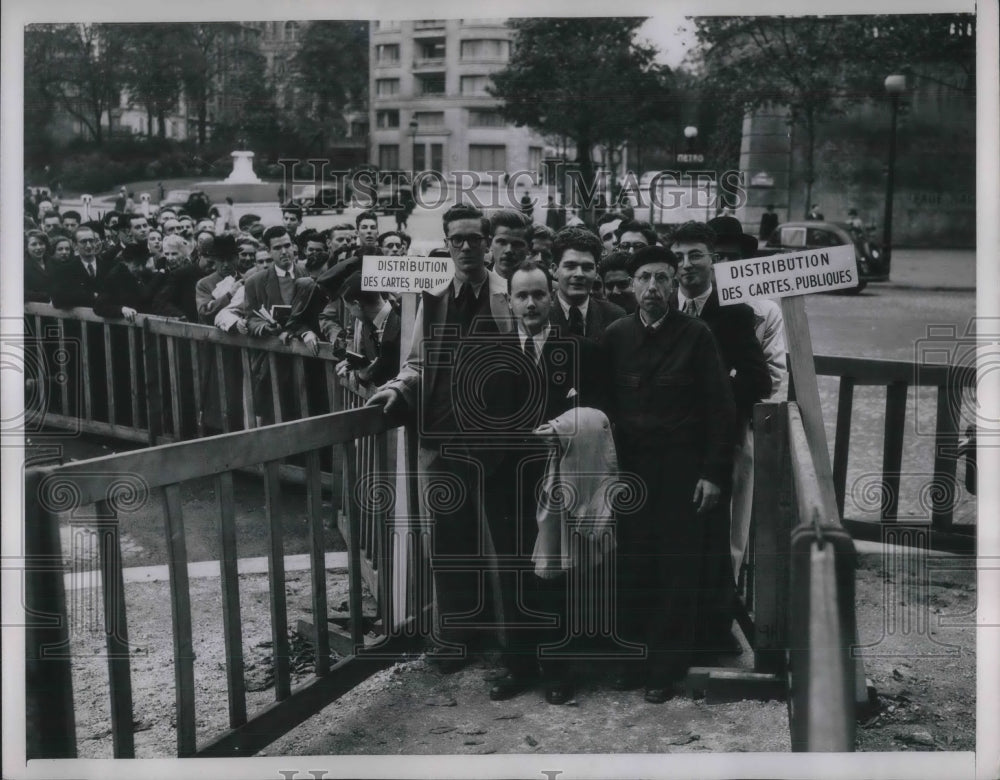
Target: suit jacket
(385,363)
(123,288)
(176,298)
(600,314)
(263,290)
(206,305)
(734,328)
(37,281)
(417,374)
(71,285)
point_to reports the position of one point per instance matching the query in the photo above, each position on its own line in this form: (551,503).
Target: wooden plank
(116,632)
(96,427)
(85,365)
(174,377)
(272,364)
(70,383)
(353,545)
(337,453)
(231,623)
(109,373)
(154,401)
(842,439)
(382,552)
(298,370)
(773,517)
(220,381)
(133,367)
(276,580)
(199,423)
(249,397)
(181,461)
(317,551)
(801,369)
(892,451)
(180,610)
(50,721)
(869,371)
(945,488)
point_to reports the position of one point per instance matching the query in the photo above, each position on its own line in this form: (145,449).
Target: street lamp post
(414,125)
(895,85)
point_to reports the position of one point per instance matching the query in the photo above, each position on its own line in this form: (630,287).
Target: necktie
(90,270)
(370,340)
(531,349)
(575,321)
(465,306)
(690,307)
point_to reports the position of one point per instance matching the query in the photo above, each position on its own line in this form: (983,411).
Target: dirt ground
(925,684)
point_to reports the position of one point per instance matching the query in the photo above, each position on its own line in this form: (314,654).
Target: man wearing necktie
(460,395)
(693,249)
(575,252)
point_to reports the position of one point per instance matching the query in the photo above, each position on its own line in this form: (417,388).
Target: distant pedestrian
(768,222)
(815,214)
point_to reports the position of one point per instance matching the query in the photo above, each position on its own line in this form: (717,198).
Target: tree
(78,67)
(586,79)
(203,65)
(153,68)
(329,75)
(817,66)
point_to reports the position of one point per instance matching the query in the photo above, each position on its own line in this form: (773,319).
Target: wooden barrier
(53,491)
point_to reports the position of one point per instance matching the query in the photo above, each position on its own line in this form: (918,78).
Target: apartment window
(388,157)
(431,49)
(386,26)
(358,129)
(430,85)
(535,159)
(485,118)
(486,157)
(387,54)
(427,119)
(474,85)
(386,87)
(428,24)
(291,31)
(486,49)
(389,118)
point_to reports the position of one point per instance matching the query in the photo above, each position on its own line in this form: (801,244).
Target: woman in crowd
(36,274)
(62,249)
(154,244)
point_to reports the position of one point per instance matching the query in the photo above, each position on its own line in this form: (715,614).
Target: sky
(672,35)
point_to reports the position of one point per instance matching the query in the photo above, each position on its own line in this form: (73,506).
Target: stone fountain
(242,169)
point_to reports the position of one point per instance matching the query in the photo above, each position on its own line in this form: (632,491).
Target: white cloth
(699,300)
(575,517)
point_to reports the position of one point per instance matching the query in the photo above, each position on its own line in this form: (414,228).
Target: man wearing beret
(672,406)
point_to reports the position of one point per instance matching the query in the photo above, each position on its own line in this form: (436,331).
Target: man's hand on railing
(388,399)
(129,313)
(312,341)
(706,495)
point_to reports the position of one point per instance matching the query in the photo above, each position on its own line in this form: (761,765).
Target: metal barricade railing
(103,483)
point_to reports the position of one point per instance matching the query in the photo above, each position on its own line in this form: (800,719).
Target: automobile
(316,200)
(394,189)
(195,202)
(873,263)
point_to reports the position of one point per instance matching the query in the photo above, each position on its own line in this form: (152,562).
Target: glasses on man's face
(631,246)
(474,240)
(662,278)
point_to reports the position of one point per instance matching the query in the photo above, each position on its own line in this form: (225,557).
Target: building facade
(428,105)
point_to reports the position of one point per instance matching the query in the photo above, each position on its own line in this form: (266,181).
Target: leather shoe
(658,695)
(558,692)
(508,686)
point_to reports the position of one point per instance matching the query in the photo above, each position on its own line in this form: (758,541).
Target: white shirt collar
(382,315)
(540,337)
(281,272)
(699,300)
(566,306)
(456,285)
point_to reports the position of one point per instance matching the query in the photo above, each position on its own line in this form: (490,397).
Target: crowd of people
(575,355)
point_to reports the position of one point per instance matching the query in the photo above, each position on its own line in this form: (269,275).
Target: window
(291,31)
(431,49)
(821,238)
(483,157)
(358,129)
(386,87)
(485,118)
(387,54)
(385,26)
(388,157)
(427,119)
(428,24)
(474,85)
(430,85)
(387,118)
(486,49)
(535,159)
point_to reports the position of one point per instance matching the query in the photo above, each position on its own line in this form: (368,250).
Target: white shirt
(540,338)
(566,306)
(699,300)
(456,285)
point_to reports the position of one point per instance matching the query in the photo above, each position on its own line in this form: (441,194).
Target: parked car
(195,202)
(873,264)
(394,189)
(316,200)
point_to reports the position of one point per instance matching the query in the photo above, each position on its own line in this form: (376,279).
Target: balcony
(428,63)
(428,24)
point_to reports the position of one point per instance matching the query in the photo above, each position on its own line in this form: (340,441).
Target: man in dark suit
(673,412)
(693,249)
(575,253)
(78,281)
(452,383)
(376,334)
(768,222)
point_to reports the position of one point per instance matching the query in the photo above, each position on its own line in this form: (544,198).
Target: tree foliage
(589,80)
(153,67)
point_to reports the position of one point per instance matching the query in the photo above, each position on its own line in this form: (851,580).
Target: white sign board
(408,274)
(780,276)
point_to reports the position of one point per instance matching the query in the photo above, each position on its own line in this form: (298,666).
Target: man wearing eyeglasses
(391,244)
(453,384)
(575,253)
(693,247)
(77,282)
(634,235)
(673,411)
(509,245)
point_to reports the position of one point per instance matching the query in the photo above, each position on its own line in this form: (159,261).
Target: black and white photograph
(576,391)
